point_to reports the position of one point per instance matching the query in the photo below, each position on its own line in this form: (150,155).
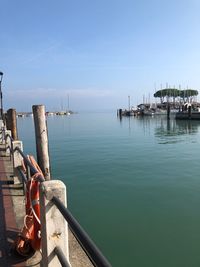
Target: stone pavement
(8,226)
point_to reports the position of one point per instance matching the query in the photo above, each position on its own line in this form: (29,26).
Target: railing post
(1,123)
(2,133)
(41,137)
(54,228)
(11,122)
(17,157)
(17,160)
(7,142)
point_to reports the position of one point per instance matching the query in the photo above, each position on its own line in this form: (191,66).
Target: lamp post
(1,96)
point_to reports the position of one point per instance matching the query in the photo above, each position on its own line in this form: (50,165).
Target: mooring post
(41,138)
(54,228)
(11,122)
(189,112)
(168,111)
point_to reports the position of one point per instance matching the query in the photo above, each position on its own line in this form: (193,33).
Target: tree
(172,92)
(168,92)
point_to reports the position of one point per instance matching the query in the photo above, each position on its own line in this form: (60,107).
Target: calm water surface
(134,184)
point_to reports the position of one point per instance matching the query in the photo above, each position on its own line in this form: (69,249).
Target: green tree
(173,92)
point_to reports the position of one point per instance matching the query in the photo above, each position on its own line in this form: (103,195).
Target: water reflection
(166,131)
(126,119)
(174,131)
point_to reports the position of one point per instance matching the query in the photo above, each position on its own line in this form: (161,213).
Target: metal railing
(63,261)
(84,240)
(92,251)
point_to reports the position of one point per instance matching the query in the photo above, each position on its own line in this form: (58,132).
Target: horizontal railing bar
(7,135)
(63,261)
(32,168)
(24,178)
(85,241)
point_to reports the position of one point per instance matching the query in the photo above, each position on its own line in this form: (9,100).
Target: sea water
(133,184)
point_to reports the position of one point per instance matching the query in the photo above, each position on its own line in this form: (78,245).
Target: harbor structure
(53,234)
(172,101)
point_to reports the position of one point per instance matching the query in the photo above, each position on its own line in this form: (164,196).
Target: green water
(134,184)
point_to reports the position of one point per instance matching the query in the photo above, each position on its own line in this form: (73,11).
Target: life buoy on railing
(33,209)
(29,238)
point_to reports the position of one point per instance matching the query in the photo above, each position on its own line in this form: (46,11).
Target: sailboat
(129,112)
(64,112)
(68,111)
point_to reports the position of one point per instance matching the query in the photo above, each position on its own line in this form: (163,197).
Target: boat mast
(68,102)
(129,103)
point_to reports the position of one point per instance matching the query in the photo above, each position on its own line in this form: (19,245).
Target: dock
(72,246)
(9,226)
(12,214)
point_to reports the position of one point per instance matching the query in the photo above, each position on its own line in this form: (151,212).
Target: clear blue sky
(97,51)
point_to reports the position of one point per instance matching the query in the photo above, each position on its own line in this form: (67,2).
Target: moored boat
(185,115)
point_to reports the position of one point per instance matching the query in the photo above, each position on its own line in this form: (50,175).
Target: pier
(61,241)
(9,196)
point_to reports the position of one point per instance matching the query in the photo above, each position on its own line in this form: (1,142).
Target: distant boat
(160,112)
(61,113)
(29,115)
(20,115)
(68,110)
(188,113)
(130,113)
(49,113)
(148,112)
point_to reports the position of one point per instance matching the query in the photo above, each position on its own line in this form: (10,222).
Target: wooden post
(168,111)
(189,112)
(11,122)
(41,140)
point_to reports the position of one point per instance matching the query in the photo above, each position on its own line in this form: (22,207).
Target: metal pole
(94,254)
(1,95)
(129,103)
(168,111)
(61,256)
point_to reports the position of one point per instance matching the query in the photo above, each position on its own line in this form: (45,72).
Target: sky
(96,52)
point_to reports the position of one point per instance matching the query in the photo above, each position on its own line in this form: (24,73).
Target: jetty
(37,228)
(182,103)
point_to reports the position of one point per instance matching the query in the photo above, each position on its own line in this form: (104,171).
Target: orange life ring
(30,237)
(27,198)
(35,209)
